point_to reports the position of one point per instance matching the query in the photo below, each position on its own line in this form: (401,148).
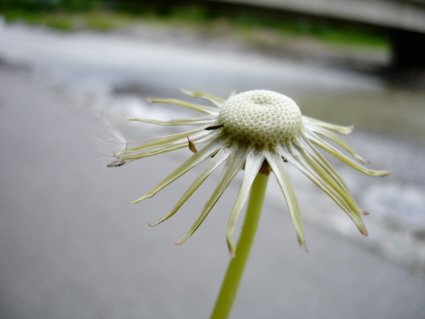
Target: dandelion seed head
(248,131)
(260,117)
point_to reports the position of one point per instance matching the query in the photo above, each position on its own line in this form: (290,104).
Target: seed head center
(260,117)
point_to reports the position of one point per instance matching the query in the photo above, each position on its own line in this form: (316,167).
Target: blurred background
(71,247)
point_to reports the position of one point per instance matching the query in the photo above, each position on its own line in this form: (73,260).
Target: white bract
(257,131)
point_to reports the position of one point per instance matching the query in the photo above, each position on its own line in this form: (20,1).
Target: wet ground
(71,249)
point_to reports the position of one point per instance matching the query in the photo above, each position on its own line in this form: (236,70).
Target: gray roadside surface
(70,246)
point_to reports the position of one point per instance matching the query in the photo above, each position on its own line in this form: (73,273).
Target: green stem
(236,266)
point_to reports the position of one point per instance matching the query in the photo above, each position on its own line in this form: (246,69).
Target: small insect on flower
(257,131)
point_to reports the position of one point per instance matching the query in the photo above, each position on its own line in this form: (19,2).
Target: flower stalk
(237,264)
(259,132)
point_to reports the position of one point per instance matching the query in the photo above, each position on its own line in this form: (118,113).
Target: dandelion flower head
(257,131)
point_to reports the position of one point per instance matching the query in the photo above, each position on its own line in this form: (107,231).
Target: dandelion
(257,131)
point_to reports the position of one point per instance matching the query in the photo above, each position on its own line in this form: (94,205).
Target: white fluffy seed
(260,117)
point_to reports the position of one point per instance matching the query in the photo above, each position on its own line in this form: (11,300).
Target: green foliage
(242,22)
(21,7)
(80,5)
(60,24)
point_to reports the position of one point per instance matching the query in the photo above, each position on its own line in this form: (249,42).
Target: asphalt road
(71,248)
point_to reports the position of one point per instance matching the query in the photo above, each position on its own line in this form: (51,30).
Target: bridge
(404,20)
